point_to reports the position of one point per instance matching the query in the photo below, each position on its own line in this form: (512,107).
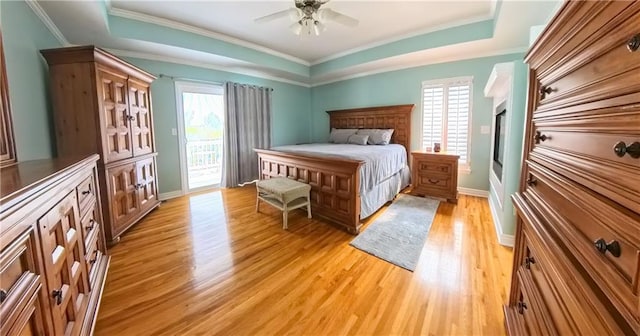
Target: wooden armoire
(102,105)
(576,267)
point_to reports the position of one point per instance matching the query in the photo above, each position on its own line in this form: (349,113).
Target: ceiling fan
(309,18)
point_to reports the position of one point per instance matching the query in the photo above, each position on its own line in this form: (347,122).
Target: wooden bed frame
(335,183)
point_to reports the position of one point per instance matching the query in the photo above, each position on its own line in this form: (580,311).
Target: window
(446,116)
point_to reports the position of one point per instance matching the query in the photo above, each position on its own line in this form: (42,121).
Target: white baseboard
(170,195)
(473,192)
(503,239)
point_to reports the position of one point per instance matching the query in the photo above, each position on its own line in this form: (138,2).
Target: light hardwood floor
(208,264)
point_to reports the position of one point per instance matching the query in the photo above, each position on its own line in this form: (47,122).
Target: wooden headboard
(397,117)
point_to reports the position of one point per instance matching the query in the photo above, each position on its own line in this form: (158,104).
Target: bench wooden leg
(257,204)
(308,208)
(285,216)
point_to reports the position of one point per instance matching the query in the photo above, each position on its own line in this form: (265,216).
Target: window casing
(446,116)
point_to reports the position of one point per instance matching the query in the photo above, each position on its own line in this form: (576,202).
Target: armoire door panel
(139,105)
(147,188)
(123,195)
(66,273)
(116,119)
(7,143)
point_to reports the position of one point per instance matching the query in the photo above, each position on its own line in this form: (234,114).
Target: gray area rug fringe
(398,235)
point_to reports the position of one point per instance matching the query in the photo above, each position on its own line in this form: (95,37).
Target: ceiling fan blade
(331,15)
(291,12)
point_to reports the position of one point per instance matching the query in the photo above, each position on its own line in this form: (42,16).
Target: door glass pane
(203,122)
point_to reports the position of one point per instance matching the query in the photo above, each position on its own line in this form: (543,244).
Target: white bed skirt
(385,191)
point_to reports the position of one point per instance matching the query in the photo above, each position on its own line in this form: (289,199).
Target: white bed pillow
(341,135)
(377,136)
(358,139)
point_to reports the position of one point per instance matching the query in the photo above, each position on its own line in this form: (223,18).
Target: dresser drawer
(90,224)
(18,276)
(586,221)
(521,318)
(573,305)
(86,193)
(602,70)
(92,256)
(594,151)
(435,167)
(587,23)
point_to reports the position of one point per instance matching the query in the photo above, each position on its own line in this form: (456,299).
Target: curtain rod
(189,79)
(208,82)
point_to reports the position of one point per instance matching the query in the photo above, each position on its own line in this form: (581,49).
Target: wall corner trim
(503,239)
(46,20)
(170,195)
(473,192)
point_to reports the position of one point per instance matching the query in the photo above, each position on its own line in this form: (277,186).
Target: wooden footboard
(335,183)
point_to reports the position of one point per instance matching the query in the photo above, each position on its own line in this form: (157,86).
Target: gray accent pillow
(358,139)
(377,136)
(341,135)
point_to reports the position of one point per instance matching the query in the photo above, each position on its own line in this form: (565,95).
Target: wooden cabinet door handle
(434,181)
(57,294)
(544,91)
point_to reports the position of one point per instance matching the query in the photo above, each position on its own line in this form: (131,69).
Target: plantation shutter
(446,113)
(433,107)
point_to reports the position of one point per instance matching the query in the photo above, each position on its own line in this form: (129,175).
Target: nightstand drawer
(434,167)
(430,181)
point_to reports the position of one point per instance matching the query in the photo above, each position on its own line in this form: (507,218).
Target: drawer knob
(544,91)
(521,307)
(528,261)
(57,294)
(86,192)
(532,181)
(3,295)
(634,43)
(540,137)
(633,149)
(90,227)
(434,181)
(95,257)
(613,247)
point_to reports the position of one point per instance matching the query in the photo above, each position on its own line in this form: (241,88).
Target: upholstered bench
(285,195)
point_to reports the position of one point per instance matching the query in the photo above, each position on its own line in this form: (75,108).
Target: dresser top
(27,177)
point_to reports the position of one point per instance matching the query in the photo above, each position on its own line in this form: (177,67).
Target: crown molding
(127,14)
(212,66)
(461,57)
(46,20)
(402,37)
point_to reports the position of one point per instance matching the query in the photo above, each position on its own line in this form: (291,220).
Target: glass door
(201,110)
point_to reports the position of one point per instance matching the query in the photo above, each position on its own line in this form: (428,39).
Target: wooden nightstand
(435,174)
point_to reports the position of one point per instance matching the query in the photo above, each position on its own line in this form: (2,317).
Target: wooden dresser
(103,105)
(53,260)
(576,267)
(435,174)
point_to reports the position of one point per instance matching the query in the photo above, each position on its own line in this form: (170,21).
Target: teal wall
(404,87)
(290,106)
(23,35)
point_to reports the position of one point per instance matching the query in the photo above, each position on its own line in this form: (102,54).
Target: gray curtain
(247,126)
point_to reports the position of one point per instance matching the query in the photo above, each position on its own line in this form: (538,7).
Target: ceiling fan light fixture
(296,27)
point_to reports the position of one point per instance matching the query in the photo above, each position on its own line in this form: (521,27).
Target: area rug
(398,234)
